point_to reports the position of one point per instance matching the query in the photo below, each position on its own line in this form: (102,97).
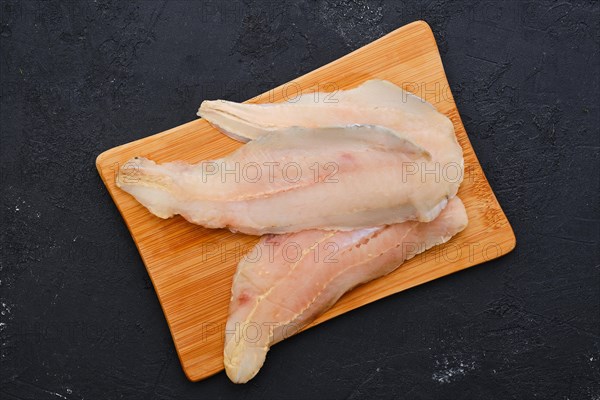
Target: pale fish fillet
(287,281)
(341,179)
(375,102)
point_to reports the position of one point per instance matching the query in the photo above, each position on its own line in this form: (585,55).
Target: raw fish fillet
(287,281)
(375,102)
(295,179)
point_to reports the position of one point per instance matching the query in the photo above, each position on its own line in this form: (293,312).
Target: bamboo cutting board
(191,267)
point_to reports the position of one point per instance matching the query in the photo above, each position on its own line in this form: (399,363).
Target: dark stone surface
(79,316)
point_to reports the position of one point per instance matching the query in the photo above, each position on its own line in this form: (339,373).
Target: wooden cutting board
(192,267)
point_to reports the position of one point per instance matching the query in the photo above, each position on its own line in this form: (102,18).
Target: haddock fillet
(287,281)
(295,179)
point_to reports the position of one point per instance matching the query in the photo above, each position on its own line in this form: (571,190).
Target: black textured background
(79,318)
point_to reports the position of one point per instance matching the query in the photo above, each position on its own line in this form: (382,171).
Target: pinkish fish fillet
(300,178)
(287,281)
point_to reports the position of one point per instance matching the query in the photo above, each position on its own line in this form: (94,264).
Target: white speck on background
(6,312)
(449,370)
(5,309)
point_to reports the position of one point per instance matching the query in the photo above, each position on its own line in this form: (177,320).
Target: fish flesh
(331,178)
(287,281)
(375,102)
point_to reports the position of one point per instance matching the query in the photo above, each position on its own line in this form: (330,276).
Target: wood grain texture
(192,267)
